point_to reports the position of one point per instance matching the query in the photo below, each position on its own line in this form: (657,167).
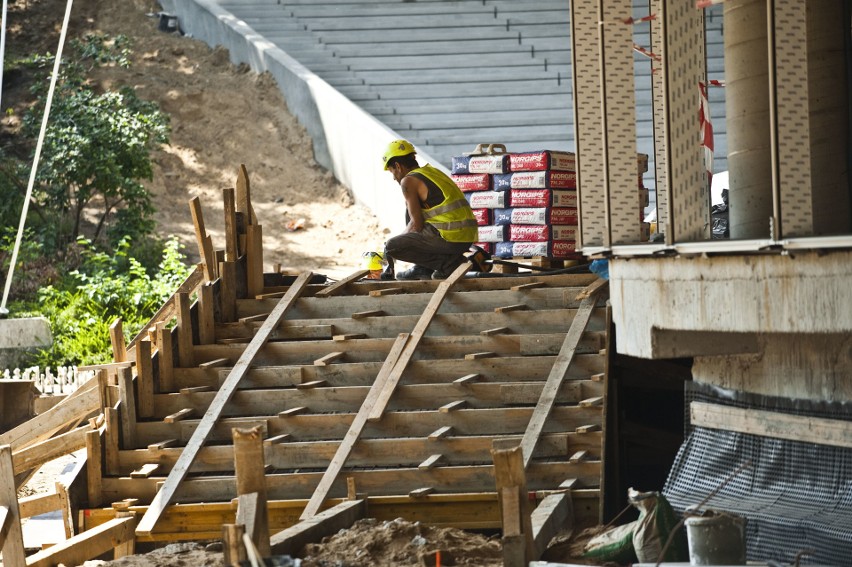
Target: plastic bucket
(717,539)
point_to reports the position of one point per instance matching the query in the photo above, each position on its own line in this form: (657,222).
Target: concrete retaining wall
(347,140)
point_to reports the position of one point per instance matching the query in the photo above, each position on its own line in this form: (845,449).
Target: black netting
(795,495)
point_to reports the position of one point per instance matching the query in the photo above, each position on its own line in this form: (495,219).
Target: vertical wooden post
(186,356)
(249,467)
(13,545)
(206,312)
(231,236)
(94,464)
(254,260)
(116,337)
(145,378)
(228,291)
(166,359)
(110,446)
(127,547)
(67,513)
(205,249)
(244,196)
(234,550)
(514,505)
(128,407)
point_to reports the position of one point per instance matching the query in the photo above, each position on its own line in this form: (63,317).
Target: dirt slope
(222,115)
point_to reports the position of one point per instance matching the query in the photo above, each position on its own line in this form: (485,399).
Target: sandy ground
(222,116)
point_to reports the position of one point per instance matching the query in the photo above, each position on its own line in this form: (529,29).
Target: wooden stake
(116,337)
(206,315)
(254,260)
(228,291)
(234,550)
(339,286)
(13,544)
(244,196)
(127,547)
(186,351)
(201,238)
(111,431)
(94,464)
(166,361)
(223,395)
(127,411)
(250,474)
(145,378)
(514,506)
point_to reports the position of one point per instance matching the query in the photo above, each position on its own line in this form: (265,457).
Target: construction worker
(440,225)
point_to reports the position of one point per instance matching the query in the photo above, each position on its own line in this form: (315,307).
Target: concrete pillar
(747,110)
(828,93)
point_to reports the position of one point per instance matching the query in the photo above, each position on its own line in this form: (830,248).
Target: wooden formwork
(450,402)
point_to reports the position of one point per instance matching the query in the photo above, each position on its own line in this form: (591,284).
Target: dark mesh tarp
(795,495)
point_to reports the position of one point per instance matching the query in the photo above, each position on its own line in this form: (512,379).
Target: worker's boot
(388,272)
(415,273)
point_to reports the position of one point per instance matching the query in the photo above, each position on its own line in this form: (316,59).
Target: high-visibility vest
(452,217)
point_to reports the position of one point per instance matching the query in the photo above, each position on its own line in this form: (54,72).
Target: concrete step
(487,103)
(379,78)
(455,63)
(320,10)
(467,90)
(468,120)
(421,22)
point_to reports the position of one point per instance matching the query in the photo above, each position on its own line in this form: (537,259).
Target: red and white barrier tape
(630,21)
(701,4)
(645,52)
(706,126)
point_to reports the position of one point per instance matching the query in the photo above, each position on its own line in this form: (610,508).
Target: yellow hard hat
(395,149)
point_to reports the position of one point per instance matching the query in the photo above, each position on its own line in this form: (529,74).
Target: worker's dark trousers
(428,249)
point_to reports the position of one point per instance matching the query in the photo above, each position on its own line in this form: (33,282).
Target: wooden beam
(820,431)
(509,308)
(468,379)
(348,337)
(249,467)
(386,291)
(206,315)
(223,395)
(432,461)
(244,205)
(340,286)
(231,236)
(318,526)
(145,378)
(370,313)
(592,289)
(127,410)
(479,355)
(234,550)
(510,479)
(165,359)
(417,334)
(441,433)
(354,432)
(557,376)
(145,470)
(179,415)
(453,406)
(494,331)
(228,291)
(254,260)
(329,358)
(526,286)
(554,514)
(207,262)
(45,451)
(13,544)
(186,356)
(293,412)
(111,434)
(39,504)
(116,337)
(86,545)
(94,467)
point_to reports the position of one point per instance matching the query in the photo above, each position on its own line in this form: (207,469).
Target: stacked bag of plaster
(474,176)
(541,215)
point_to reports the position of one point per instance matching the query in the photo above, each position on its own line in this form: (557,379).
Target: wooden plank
(510,308)
(244,205)
(35,455)
(127,409)
(186,356)
(441,433)
(74,408)
(510,478)
(318,526)
(339,286)
(595,401)
(494,331)
(526,286)
(165,358)
(354,432)
(821,431)
(329,358)
(348,337)
(231,236)
(593,288)
(145,470)
(452,406)
(86,545)
(65,507)
(38,504)
(578,456)
(179,415)
(5,524)
(145,378)
(293,412)
(195,390)
(254,260)
(206,315)
(228,291)
(215,363)
(556,377)
(200,236)
(421,492)
(554,514)
(13,544)
(432,461)
(312,384)
(590,428)
(479,355)
(417,334)
(111,434)
(369,313)
(116,337)
(223,395)
(386,291)
(94,467)
(234,550)
(468,379)
(249,467)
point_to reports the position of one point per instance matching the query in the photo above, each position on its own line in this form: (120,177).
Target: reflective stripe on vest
(452,217)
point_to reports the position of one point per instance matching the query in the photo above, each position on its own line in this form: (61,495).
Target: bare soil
(222,116)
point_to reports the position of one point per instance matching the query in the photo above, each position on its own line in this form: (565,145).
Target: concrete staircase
(448,74)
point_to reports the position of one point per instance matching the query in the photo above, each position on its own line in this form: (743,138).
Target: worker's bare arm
(412,188)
